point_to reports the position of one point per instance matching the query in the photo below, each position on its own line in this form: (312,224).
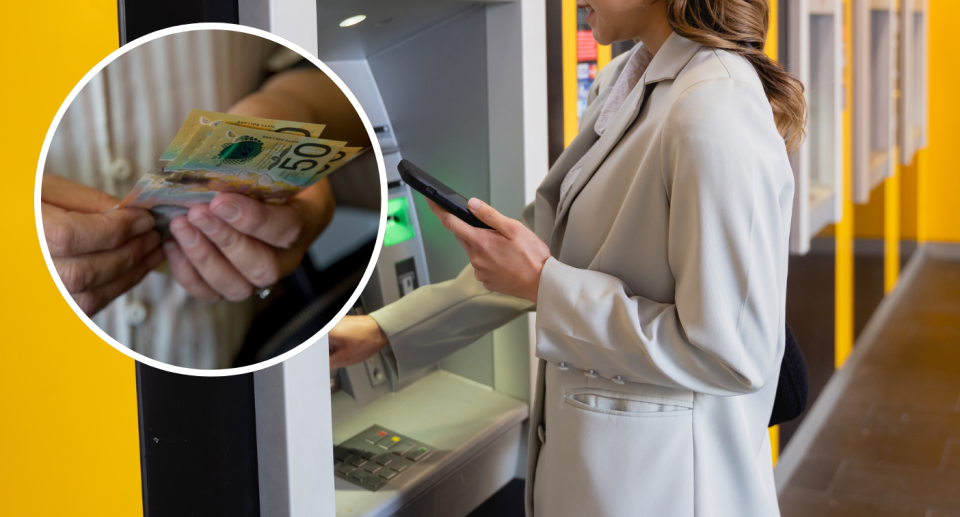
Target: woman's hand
(236,244)
(99,254)
(355,339)
(508,260)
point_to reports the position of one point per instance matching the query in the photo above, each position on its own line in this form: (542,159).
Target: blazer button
(618,380)
(591,373)
(563,367)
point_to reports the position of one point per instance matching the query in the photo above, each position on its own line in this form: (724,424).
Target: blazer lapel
(673,56)
(548,193)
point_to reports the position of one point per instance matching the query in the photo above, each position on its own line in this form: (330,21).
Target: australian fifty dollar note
(199,124)
(265,165)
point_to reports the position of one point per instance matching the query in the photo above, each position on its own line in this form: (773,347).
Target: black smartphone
(439,193)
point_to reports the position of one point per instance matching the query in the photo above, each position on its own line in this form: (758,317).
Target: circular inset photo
(210,199)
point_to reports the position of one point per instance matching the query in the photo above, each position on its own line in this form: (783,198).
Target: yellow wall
(942,189)
(869,217)
(68,422)
(908,202)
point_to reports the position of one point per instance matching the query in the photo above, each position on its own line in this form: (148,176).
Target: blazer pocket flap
(624,402)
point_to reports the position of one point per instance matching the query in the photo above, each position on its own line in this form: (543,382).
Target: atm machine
(914,23)
(875,95)
(813,51)
(459,88)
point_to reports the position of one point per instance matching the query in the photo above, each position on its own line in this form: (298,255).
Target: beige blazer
(660,320)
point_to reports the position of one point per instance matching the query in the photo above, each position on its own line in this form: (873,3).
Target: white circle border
(197,371)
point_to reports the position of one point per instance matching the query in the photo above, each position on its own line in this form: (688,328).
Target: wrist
(378,337)
(535,288)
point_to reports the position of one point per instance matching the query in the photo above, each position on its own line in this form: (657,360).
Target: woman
(656,256)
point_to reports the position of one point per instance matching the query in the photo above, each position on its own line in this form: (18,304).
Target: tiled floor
(891,445)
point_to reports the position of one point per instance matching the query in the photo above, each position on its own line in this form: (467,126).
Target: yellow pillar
(843,327)
(891,227)
(569,21)
(923,223)
(604,53)
(772,46)
(772,50)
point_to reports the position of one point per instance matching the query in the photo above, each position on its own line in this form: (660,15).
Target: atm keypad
(377,455)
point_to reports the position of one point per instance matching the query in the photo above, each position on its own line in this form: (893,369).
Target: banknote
(202,123)
(342,158)
(269,160)
(272,158)
(271,167)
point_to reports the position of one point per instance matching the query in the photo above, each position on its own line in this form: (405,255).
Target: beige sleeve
(436,320)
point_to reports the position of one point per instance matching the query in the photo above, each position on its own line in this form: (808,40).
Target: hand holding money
(236,244)
(99,253)
(231,153)
(234,197)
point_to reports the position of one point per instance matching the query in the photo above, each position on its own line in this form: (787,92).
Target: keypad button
(385,460)
(358,461)
(373,468)
(418,453)
(399,467)
(345,470)
(375,481)
(360,475)
(386,443)
(404,446)
(369,454)
(388,473)
(341,453)
(373,436)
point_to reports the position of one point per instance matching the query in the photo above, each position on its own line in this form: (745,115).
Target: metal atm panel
(457,88)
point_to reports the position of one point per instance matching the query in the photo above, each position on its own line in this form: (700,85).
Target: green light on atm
(399,226)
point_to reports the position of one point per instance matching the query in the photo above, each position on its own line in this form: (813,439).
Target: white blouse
(633,71)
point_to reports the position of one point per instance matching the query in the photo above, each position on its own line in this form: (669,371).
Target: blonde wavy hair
(740,27)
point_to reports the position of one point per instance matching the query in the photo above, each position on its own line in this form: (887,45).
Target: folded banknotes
(269,160)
